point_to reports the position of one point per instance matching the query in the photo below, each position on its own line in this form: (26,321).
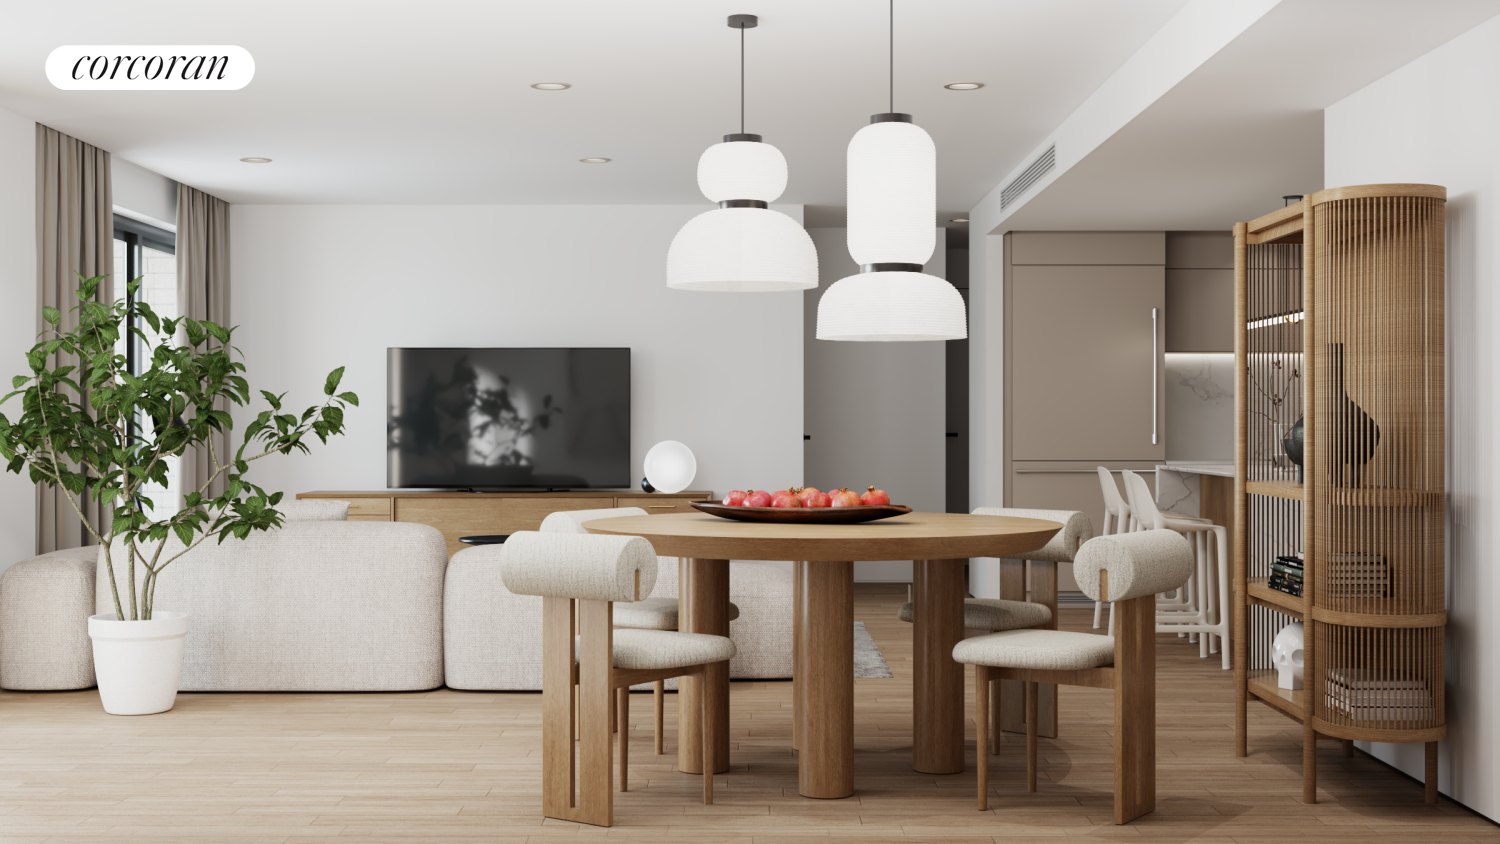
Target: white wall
(17,316)
(316,287)
(1437,121)
(875,411)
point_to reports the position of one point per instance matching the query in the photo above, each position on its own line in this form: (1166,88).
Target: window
(149,253)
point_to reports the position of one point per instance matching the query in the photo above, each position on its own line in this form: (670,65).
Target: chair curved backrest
(1142,502)
(571,521)
(1114,505)
(587,568)
(1139,564)
(1076,530)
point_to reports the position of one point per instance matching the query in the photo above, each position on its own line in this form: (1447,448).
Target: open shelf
(1260,589)
(1262,684)
(1280,489)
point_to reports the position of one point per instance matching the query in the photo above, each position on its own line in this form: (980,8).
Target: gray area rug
(868,661)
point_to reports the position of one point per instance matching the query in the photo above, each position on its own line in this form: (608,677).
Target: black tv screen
(508,418)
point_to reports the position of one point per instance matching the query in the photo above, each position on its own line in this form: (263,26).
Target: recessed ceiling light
(256,160)
(963,86)
(594,160)
(551,86)
(959,220)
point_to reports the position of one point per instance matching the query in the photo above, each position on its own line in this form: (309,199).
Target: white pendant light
(742,246)
(892,195)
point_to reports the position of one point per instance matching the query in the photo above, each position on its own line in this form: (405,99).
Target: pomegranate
(818,499)
(807,492)
(874,496)
(844,498)
(758,498)
(786,498)
(735,498)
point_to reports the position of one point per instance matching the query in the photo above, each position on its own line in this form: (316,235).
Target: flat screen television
(508,418)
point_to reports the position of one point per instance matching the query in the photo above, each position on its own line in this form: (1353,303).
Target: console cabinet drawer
(370,509)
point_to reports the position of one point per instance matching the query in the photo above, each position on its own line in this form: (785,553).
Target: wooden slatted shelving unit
(1339,304)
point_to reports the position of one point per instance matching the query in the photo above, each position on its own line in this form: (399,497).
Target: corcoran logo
(150,68)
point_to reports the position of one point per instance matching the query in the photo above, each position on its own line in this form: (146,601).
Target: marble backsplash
(1200,406)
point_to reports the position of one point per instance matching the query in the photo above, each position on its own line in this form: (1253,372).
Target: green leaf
(332,383)
(354,400)
(184,533)
(18,381)
(52,315)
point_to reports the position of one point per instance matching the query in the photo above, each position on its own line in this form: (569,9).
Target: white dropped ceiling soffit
(1220,114)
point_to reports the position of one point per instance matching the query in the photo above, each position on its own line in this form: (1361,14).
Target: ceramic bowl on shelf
(803,515)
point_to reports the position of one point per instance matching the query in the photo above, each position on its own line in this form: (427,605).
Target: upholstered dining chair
(1128,569)
(1020,611)
(579,578)
(645,614)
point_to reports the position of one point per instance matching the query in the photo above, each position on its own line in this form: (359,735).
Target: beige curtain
(74,234)
(203,294)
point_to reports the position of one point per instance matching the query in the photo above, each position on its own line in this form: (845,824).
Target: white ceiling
(1246,127)
(407,102)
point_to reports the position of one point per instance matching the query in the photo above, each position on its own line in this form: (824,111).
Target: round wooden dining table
(823,556)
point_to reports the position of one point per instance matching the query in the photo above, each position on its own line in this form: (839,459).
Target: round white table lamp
(670,467)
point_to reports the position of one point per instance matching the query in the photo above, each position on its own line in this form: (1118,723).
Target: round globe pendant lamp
(742,246)
(892,196)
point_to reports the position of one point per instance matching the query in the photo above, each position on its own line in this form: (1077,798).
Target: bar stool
(1126,522)
(579,578)
(1209,614)
(1129,569)
(646,614)
(991,615)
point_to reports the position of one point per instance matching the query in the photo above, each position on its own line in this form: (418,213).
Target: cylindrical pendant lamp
(892,195)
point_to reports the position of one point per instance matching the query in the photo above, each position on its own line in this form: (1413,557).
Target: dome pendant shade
(892,306)
(892,172)
(742,250)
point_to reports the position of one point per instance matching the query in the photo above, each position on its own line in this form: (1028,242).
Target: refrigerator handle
(1154,378)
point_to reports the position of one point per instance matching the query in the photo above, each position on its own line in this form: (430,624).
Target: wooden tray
(803,515)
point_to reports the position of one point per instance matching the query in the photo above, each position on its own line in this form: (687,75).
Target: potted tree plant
(103,434)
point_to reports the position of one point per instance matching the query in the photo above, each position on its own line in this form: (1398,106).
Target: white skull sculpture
(1286,653)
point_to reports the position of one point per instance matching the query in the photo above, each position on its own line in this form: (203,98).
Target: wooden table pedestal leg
(703,607)
(938,682)
(825,609)
(797,568)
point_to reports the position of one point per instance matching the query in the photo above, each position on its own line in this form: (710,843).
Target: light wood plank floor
(464,767)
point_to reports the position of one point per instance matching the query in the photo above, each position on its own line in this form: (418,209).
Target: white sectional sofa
(325,604)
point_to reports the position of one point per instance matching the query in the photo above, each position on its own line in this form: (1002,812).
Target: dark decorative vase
(1354,434)
(1292,445)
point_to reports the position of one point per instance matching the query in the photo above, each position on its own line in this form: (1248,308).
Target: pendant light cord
(893,55)
(742,79)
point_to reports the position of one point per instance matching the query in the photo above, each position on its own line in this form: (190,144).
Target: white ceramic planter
(138,663)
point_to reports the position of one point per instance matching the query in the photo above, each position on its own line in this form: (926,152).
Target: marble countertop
(1223,470)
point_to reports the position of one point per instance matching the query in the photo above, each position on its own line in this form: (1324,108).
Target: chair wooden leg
(994,716)
(1135,709)
(981,736)
(708,750)
(1031,729)
(658,692)
(622,727)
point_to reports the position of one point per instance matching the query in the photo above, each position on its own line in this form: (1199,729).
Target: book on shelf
(1290,560)
(1289,571)
(1373,678)
(1289,587)
(1364,694)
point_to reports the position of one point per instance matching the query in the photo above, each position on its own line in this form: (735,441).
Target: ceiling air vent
(1039,168)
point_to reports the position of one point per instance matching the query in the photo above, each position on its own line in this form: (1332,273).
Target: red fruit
(818,499)
(845,498)
(874,496)
(735,498)
(806,493)
(758,498)
(786,498)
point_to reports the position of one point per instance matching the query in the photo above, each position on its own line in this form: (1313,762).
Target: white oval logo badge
(150,68)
